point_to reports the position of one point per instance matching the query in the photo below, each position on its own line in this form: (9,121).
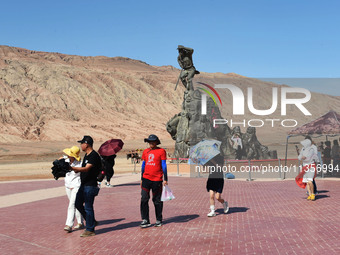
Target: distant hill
(57,97)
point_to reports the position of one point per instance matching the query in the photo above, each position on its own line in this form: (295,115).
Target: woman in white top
(308,157)
(72,184)
(237,145)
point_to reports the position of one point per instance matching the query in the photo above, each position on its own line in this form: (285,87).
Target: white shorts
(309,175)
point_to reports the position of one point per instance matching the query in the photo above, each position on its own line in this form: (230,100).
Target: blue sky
(262,38)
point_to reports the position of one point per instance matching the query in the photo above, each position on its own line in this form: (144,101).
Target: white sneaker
(226,207)
(211,214)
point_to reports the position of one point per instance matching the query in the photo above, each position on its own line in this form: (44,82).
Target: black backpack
(107,161)
(102,172)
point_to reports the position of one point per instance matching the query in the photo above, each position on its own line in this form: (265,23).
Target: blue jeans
(86,196)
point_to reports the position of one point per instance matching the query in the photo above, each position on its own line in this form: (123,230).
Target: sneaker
(309,197)
(68,229)
(107,184)
(158,223)
(312,197)
(211,214)
(87,233)
(145,224)
(225,207)
(78,226)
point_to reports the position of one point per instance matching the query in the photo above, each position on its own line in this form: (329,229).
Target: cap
(152,138)
(87,139)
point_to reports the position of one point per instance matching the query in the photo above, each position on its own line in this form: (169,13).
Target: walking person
(109,162)
(336,155)
(72,184)
(316,160)
(215,184)
(305,178)
(153,169)
(89,170)
(327,157)
(320,152)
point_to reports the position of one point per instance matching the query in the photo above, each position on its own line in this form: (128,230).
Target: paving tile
(7,188)
(264,218)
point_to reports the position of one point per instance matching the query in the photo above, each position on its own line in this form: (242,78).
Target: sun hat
(73,152)
(152,138)
(87,139)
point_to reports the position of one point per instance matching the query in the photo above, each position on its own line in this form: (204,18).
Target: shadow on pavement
(128,184)
(322,191)
(105,222)
(119,227)
(317,197)
(181,218)
(176,219)
(233,210)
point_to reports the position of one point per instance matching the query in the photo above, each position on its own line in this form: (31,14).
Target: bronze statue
(188,70)
(189,126)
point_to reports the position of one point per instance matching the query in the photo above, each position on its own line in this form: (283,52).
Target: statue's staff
(178,79)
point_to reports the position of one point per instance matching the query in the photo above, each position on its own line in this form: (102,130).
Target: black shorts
(215,184)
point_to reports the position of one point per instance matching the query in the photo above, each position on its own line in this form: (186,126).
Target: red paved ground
(264,218)
(13,188)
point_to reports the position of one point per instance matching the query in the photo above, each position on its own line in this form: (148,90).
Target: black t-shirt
(90,178)
(216,172)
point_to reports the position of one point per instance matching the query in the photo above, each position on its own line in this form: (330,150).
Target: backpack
(102,172)
(105,162)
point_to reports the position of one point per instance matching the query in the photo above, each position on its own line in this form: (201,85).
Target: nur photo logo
(238,105)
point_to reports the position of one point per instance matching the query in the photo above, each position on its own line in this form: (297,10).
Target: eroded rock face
(56,97)
(189,127)
(52,96)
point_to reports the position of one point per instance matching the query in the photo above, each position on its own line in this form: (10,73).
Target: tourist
(109,162)
(153,169)
(316,160)
(215,184)
(90,169)
(72,184)
(237,145)
(305,178)
(327,157)
(336,155)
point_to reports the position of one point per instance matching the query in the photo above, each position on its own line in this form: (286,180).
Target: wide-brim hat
(152,138)
(73,152)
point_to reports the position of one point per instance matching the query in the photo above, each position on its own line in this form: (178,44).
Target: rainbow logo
(209,93)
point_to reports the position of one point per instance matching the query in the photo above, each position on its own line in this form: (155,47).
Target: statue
(189,126)
(188,70)
(253,148)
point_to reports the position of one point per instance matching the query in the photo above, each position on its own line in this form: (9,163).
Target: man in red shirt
(153,169)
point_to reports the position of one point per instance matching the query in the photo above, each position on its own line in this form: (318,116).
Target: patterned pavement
(271,217)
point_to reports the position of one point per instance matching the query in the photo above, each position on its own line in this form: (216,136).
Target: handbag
(167,194)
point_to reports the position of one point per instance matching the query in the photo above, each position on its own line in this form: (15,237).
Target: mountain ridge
(54,97)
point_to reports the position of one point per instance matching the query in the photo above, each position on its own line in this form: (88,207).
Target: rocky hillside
(58,97)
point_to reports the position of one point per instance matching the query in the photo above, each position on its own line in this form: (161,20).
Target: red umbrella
(110,147)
